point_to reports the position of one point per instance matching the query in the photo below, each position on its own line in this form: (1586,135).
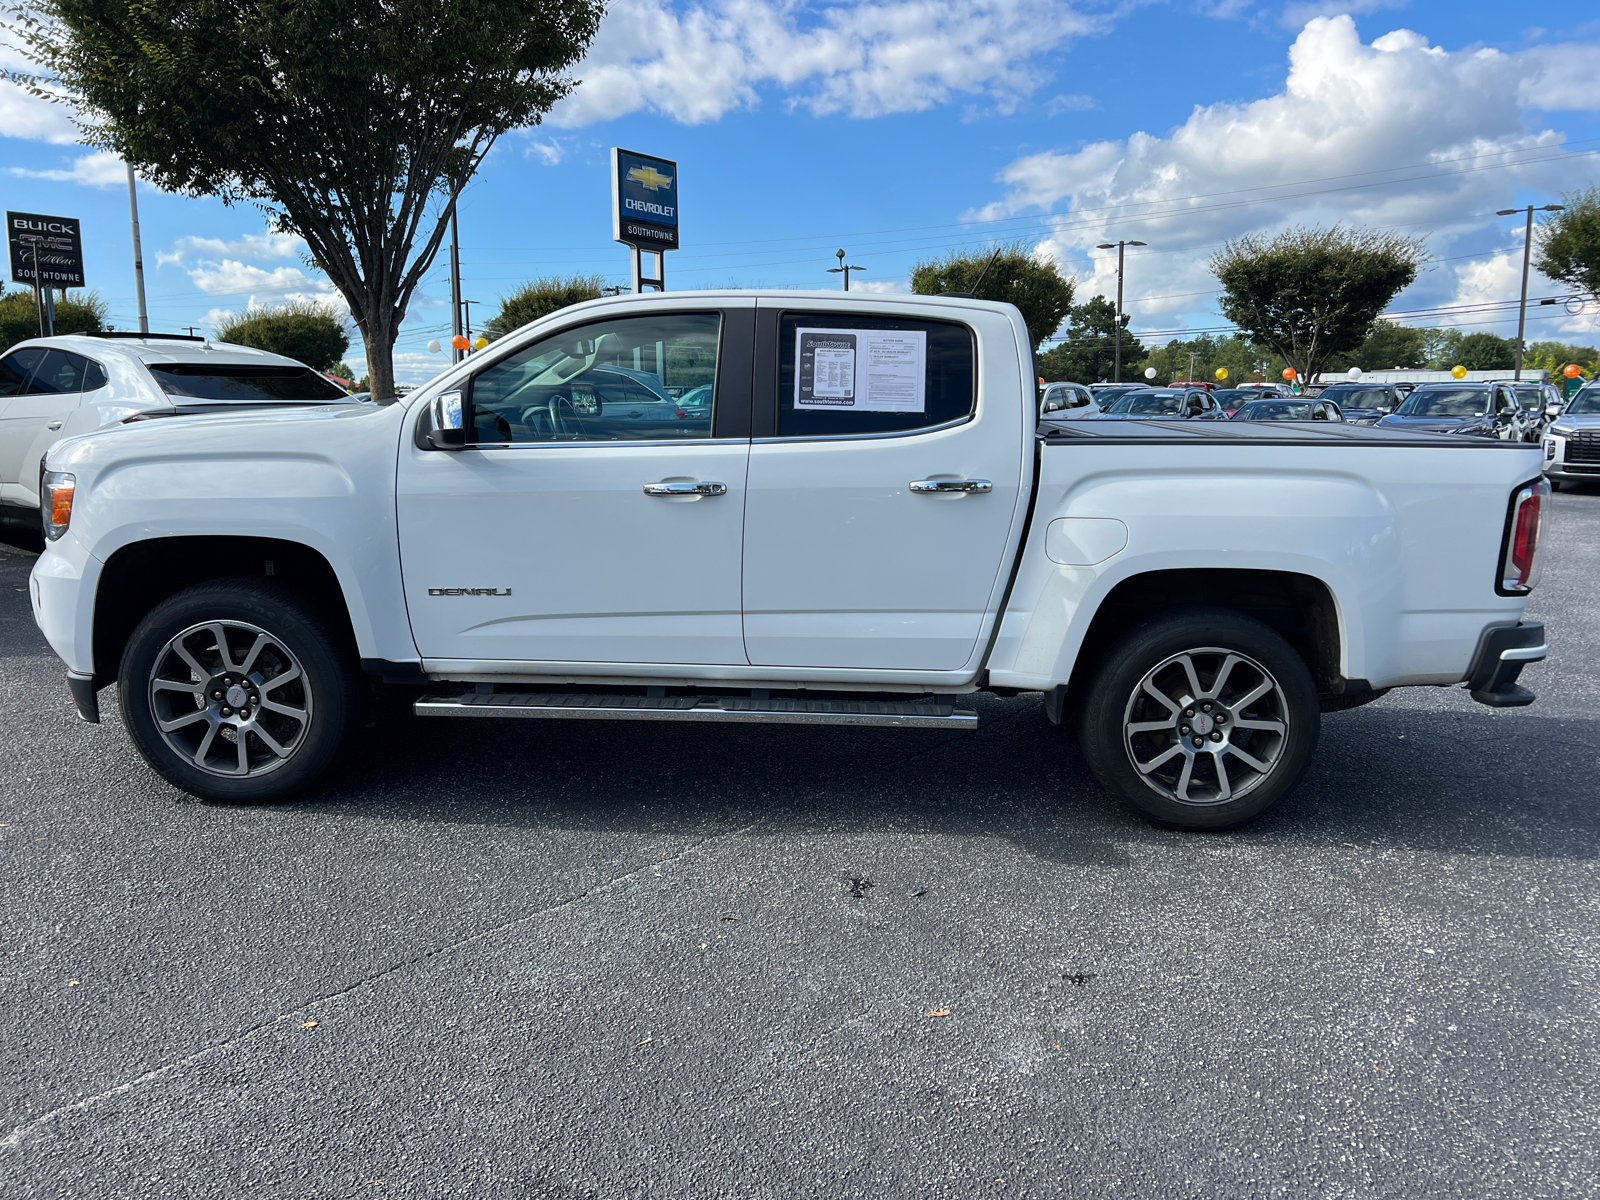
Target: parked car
(1068,400)
(1366,403)
(1537,404)
(1289,410)
(57,387)
(1572,440)
(1471,409)
(841,545)
(1233,399)
(1161,404)
(1105,394)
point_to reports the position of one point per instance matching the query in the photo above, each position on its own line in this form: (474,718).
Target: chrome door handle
(928,487)
(53,426)
(685,489)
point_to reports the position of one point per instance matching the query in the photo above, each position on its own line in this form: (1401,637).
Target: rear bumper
(1502,653)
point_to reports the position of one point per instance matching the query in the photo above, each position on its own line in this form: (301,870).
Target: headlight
(55,502)
(1549,449)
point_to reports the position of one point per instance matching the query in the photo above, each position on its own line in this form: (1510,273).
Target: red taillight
(1521,562)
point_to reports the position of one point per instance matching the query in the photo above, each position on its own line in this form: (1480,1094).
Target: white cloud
(880,287)
(101,169)
(23,115)
(230,277)
(1446,130)
(700,61)
(1298,12)
(266,244)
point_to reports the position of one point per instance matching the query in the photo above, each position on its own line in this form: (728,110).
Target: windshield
(1149,403)
(1274,410)
(1232,397)
(1358,397)
(1446,402)
(226,382)
(1585,404)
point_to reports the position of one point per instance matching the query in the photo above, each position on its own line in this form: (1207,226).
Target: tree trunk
(379,333)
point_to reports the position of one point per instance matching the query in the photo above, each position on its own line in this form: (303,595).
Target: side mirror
(447,429)
(1552,411)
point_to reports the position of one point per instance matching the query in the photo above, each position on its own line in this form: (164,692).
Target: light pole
(843,267)
(1116,376)
(1527,252)
(138,254)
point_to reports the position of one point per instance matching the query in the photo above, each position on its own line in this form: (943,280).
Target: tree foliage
(1569,243)
(1486,352)
(19,317)
(1088,353)
(301,329)
(1038,289)
(541,297)
(1554,356)
(1388,346)
(1198,358)
(1309,294)
(354,123)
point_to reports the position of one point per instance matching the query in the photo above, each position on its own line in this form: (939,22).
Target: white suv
(57,387)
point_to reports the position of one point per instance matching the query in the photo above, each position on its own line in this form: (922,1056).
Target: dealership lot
(578,959)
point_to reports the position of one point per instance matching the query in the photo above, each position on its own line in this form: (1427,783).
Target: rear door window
(847,373)
(16,367)
(224,382)
(59,373)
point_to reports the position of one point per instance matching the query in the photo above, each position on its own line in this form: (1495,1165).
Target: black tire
(300,665)
(1221,786)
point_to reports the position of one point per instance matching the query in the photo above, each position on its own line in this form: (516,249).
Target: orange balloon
(1288,372)
(1572,370)
(460,342)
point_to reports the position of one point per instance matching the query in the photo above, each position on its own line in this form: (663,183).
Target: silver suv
(57,387)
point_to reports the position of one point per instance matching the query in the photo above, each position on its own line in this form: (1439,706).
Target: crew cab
(869,522)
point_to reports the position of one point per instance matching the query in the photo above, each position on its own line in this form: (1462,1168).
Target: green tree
(1309,294)
(1088,353)
(1487,352)
(1569,243)
(1389,345)
(353,123)
(1554,356)
(1440,348)
(311,333)
(541,297)
(1038,289)
(19,317)
(1198,359)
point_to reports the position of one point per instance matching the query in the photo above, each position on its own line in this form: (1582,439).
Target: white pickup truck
(781,507)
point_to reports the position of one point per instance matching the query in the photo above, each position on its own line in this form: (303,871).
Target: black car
(1320,409)
(1366,403)
(1474,409)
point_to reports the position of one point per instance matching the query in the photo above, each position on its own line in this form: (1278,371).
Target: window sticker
(864,370)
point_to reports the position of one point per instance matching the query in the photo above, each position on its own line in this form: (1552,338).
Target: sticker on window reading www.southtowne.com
(864,370)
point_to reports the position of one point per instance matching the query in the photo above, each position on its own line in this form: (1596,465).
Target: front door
(884,491)
(593,518)
(53,389)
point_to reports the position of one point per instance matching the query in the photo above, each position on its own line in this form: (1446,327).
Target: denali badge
(469,591)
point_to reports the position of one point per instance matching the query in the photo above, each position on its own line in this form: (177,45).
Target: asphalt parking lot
(508,959)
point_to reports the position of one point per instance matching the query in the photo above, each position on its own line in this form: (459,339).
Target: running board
(908,715)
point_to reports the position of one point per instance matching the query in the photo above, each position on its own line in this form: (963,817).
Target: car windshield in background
(1357,397)
(1529,395)
(1149,404)
(1274,410)
(1585,404)
(229,383)
(1232,397)
(1445,402)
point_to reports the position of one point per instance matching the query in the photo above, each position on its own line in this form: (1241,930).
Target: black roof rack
(163,337)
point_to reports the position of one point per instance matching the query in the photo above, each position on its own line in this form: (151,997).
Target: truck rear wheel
(1204,718)
(235,691)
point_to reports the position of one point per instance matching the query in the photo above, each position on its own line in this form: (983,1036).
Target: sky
(902,129)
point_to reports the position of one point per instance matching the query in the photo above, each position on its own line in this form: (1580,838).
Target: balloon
(434,347)
(460,341)
(1222,373)
(1288,373)
(1572,370)
(1149,372)
(480,343)
(1458,372)
(1354,372)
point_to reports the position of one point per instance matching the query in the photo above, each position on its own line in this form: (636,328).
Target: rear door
(885,482)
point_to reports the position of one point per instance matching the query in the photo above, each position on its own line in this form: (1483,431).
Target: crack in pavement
(20,1133)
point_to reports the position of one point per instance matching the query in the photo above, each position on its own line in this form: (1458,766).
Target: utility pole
(455,284)
(843,267)
(1527,255)
(1119,247)
(467,304)
(138,254)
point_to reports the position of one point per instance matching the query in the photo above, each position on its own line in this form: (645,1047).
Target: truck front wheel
(1204,718)
(235,692)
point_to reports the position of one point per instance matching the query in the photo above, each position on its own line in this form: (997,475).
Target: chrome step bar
(921,714)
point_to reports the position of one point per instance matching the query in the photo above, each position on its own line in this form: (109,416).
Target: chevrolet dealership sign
(644,200)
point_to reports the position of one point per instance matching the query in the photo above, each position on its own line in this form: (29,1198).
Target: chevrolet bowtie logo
(650,178)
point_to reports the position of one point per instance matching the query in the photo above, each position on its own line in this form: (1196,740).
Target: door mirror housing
(1552,411)
(446,422)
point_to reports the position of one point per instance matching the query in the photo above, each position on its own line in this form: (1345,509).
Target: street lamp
(844,268)
(1116,376)
(1527,251)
